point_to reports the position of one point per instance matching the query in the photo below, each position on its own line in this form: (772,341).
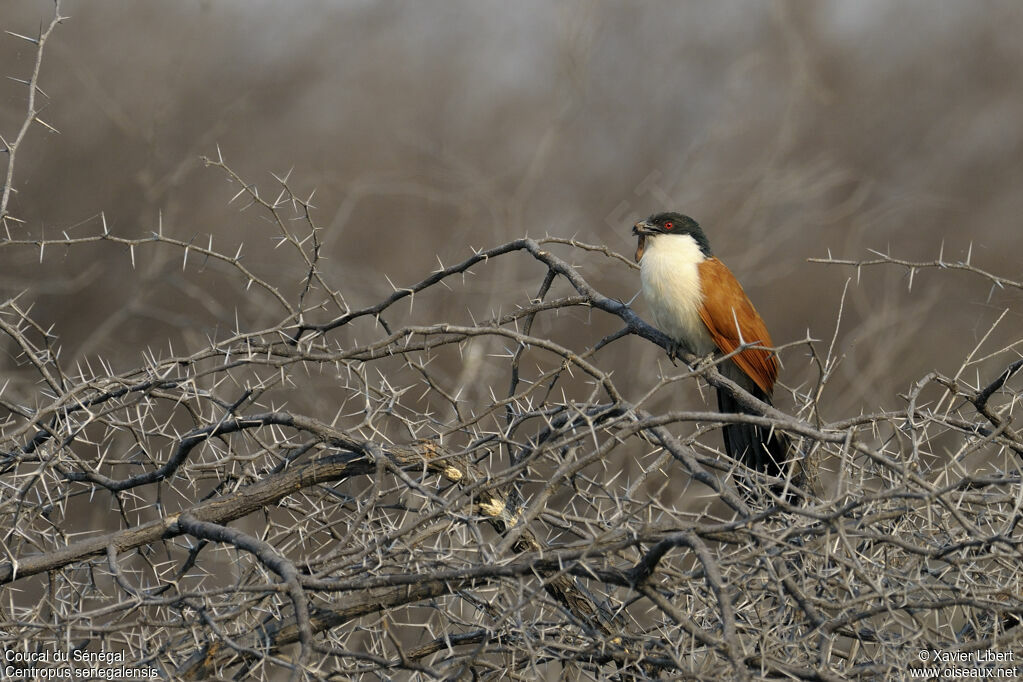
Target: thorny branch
(32,112)
(633,586)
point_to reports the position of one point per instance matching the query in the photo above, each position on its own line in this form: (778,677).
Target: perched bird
(697,302)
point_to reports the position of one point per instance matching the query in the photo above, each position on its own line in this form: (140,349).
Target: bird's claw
(673,351)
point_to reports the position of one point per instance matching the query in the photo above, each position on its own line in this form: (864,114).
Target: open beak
(641,230)
(643,227)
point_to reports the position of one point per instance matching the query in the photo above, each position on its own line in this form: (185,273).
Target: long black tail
(758,447)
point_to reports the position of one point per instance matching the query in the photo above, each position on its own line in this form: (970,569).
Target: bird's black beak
(643,227)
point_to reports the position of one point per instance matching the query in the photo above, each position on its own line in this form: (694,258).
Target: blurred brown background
(788,129)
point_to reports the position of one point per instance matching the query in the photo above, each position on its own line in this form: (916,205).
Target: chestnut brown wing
(727,312)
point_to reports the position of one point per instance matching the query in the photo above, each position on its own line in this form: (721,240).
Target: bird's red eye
(668,225)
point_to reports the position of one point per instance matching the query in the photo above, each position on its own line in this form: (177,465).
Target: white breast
(671,287)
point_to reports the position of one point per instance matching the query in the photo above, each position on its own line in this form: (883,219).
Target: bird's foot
(673,350)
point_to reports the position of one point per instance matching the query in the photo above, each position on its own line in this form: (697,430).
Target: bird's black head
(673,223)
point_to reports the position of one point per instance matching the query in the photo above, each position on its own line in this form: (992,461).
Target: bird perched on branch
(700,305)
